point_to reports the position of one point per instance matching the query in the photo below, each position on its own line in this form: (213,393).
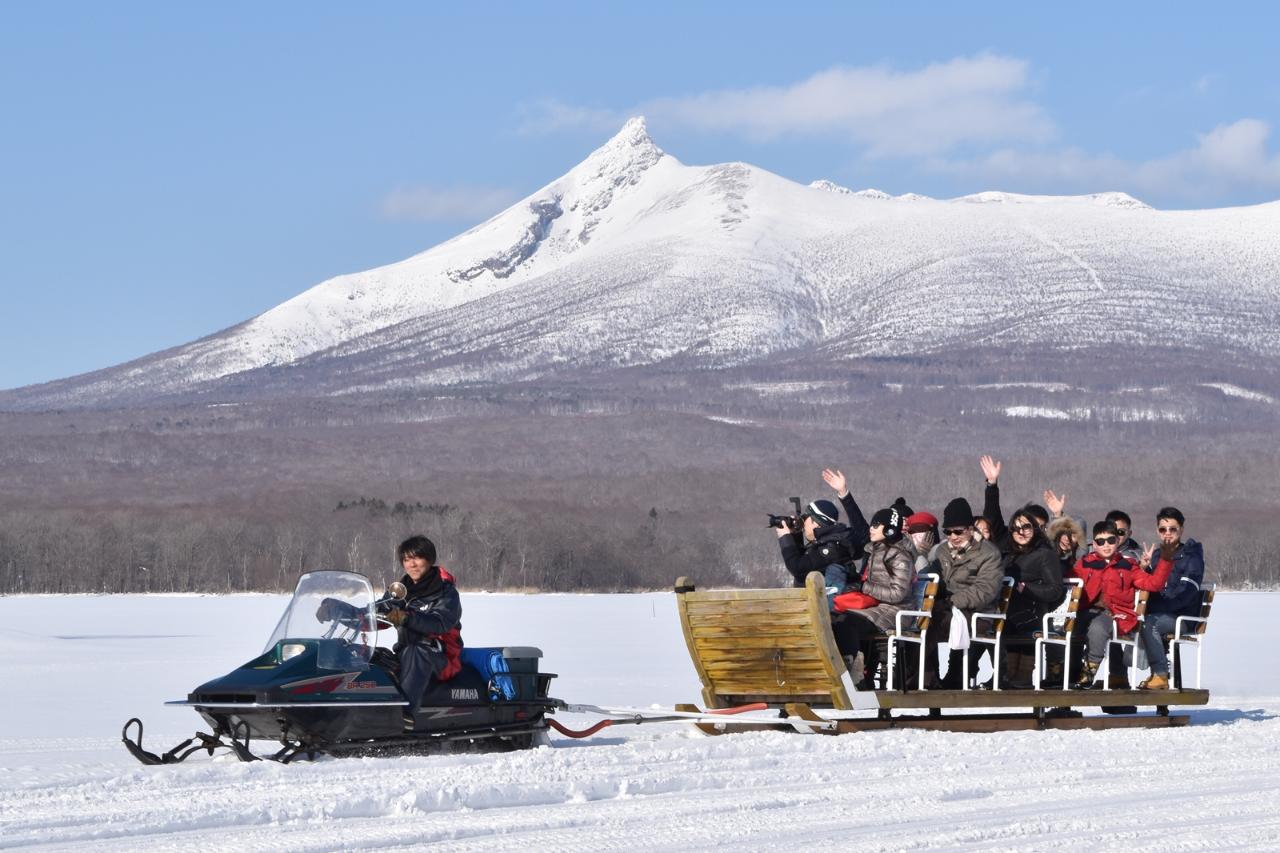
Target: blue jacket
(1181,595)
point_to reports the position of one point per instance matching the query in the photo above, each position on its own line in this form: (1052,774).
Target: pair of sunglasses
(1022,528)
(955,531)
(1168,529)
(1105,540)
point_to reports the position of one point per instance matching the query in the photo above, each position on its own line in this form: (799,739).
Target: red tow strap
(604,724)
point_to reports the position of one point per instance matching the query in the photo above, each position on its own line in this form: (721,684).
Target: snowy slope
(67,783)
(634,258)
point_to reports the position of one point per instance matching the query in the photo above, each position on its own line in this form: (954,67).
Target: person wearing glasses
(1124,525)
(969,567)
(996,530)
(1179,597)
(1037,574)
(1110,579)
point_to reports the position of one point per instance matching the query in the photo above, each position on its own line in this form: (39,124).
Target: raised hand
(1148,551)
(1055,503)
(990,469)
(836,480)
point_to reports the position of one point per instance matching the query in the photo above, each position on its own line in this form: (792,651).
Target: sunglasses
(1168,529)
(1023,528)
(955,531)
(1123,531)
(1105,540)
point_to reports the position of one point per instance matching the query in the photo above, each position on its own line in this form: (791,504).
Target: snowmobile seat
(764,645)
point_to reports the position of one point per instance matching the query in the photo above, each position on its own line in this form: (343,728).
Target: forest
(613,485)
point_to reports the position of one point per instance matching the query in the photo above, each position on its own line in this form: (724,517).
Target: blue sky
(168,170)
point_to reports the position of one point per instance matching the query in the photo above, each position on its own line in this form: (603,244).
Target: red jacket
(1112,583)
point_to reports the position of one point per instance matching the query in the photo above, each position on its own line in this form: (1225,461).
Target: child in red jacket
(1110,579)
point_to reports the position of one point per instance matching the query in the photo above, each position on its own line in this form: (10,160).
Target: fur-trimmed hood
(1066,524)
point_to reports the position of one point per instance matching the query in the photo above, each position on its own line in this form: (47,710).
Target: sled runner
(775,647)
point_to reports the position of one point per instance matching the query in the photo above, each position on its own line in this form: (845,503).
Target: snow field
(86,663)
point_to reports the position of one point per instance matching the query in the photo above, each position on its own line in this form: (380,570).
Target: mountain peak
(631,144)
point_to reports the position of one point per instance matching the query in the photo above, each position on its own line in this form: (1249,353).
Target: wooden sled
(775,646)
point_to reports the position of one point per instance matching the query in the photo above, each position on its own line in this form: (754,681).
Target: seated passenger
(820,542)
(1037,576)
(1129,546)
(969,567)
(922,533)
(1179,597)
(1110,579)
(884,587)
(1065,535)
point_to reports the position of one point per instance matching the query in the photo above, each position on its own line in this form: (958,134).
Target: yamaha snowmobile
(323,685)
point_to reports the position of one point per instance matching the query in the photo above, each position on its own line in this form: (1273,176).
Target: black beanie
(957,514)
(823,512)
(891,518)
(901,506)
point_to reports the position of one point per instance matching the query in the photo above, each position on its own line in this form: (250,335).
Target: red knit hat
(921,521)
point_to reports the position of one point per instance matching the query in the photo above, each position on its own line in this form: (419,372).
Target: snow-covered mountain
(634,258)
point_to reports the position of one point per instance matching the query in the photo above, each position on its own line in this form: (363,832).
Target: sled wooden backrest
(1206,605)
(763,645)
(926,605)
(1075,595)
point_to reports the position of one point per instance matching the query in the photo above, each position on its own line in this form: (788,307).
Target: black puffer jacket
(1037,576)
(830,545)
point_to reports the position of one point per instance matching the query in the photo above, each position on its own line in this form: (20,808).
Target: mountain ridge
(634,258)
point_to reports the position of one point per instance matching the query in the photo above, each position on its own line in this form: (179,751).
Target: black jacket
(1039,573)
(831,545)
(859,530)
(433,609)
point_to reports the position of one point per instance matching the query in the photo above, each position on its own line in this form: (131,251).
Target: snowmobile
(323,686)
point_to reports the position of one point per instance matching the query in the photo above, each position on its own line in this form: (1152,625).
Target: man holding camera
(813,540)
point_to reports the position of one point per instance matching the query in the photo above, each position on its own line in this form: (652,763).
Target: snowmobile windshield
(331,606)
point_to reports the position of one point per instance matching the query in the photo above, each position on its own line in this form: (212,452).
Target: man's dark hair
(1038,512)
(1120,515)
(1171,512)
(1106,526)
(417,546)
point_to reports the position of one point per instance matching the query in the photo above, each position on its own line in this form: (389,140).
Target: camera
(790,522)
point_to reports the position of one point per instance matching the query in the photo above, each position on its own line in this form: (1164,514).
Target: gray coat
(971,578)
(889,574)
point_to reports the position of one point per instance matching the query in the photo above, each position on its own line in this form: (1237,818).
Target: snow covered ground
(76,667)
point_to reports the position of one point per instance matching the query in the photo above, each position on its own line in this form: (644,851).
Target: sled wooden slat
(763,645)
(737,608)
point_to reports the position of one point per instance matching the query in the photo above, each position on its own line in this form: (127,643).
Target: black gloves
(327,611)
(396,616)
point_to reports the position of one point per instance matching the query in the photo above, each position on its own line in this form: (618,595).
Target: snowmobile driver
(428,626)
(427,620)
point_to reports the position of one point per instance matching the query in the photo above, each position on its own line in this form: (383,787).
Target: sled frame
(764,645)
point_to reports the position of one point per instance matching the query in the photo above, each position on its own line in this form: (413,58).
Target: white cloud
(428,204)
(1229,158)
(926,111)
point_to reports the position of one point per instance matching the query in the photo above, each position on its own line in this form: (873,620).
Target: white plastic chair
(1193,637)
(1049,636)
(1140,598)
(1006,594)
(924,617)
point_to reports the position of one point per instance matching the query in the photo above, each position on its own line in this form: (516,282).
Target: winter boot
(1088,675)
(1155,682)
